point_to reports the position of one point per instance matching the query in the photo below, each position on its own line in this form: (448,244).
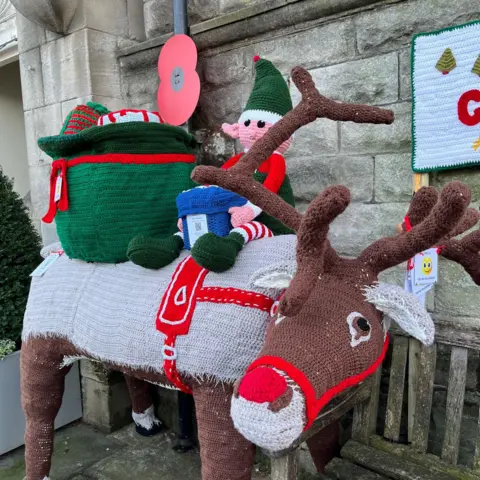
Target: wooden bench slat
(426,460)
(424,397)
(413,362)
(365,413)
(396,389)
(340,469)
(285,468)
(388,465)
(457,380)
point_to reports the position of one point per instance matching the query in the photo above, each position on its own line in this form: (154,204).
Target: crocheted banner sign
(446,98)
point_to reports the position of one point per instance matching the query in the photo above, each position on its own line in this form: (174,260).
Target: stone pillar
(58,72)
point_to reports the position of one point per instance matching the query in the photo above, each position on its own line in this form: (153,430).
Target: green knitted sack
(117,181)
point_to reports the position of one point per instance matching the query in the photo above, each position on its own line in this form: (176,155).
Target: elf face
(249,131)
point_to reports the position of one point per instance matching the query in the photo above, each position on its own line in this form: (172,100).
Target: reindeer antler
(464,251)
(312,246)
(437,224)
(312,106)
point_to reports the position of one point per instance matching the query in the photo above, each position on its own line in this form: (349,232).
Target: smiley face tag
(425,270)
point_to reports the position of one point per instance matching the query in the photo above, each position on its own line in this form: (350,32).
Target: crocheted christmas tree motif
(476,67)
(476,144)
(447,62)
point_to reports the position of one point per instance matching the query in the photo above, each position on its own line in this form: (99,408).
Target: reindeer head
(328,333)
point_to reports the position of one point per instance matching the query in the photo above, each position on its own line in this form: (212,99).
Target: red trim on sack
(312,405)
(59,169)
(235,295)
(119,158)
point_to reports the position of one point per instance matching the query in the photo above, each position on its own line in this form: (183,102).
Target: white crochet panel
(109,311)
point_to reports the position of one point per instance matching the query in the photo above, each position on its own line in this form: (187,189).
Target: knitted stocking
(218,254)
(155,253)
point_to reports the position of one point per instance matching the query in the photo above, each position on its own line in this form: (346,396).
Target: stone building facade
(356,51)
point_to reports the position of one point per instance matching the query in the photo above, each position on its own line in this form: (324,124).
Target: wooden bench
(368,456)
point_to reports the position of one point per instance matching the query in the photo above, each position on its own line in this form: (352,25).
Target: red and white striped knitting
(129,115)
(253,231)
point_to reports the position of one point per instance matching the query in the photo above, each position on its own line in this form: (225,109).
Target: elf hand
(232,131)
(244,214)
(180,225)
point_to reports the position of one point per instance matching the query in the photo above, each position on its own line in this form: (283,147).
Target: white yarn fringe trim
(70,360)
(147,419)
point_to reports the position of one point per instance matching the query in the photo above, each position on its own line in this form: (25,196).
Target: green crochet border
(412,65)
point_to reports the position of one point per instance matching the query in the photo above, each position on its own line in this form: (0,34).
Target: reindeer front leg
(42,385)
(225,454)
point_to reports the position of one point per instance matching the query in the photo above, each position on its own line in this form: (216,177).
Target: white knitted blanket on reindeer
(109,311)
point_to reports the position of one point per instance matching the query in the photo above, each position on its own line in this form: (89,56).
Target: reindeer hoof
(144,432)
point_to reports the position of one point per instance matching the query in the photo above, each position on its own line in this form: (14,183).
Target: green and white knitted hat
(270,98)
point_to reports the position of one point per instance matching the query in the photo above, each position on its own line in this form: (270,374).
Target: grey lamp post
(185,402)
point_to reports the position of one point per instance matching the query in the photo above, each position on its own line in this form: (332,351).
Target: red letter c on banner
(463,114)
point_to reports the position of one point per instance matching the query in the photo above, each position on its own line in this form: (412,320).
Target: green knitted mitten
(217,254)
(154,253)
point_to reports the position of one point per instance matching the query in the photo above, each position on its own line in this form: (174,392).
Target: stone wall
(357,52)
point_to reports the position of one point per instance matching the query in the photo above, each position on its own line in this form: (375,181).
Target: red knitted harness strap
(58,175)
(313,404)
(178,306)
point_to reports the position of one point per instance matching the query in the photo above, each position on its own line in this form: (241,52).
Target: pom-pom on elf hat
(270,99)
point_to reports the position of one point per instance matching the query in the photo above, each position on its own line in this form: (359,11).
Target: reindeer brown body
(325,337)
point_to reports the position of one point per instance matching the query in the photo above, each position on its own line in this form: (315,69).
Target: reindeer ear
(276,277)
(405,309)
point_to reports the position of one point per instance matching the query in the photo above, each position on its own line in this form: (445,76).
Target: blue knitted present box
(212,202)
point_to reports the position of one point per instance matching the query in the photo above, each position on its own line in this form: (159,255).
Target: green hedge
(19,255)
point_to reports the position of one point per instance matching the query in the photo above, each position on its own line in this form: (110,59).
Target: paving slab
(76,448)
(83,453)
(147,463)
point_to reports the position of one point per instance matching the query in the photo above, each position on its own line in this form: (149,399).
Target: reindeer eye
(247,123)
(363,324)
(359,328)
(260,124)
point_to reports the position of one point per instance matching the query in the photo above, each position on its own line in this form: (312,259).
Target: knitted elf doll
(269,101)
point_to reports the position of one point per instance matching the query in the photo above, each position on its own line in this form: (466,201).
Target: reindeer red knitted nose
(261,385)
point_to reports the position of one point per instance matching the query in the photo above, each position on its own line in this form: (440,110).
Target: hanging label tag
(418,290)
(425,270)
(58,188)
(197,226)
(46,264)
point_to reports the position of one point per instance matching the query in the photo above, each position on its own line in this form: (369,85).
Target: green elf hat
(270,98)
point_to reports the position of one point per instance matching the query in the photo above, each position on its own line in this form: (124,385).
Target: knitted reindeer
(324,338)
(328,333)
